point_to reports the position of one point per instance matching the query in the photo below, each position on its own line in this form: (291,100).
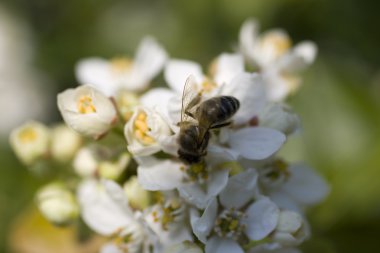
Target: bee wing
(190,98)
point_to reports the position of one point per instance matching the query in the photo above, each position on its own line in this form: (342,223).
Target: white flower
(272,52)
(168,220)
(64,143)
(85,163)
(280,117)
(137,196)
(57,204)
(30,141)
(87,111)
(123,73)
(293,186)
(147,133)
(105,209)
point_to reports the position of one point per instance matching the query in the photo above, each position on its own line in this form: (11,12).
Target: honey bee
(198,118)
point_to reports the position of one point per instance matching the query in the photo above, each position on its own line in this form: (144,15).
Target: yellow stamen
(141,129)
(208,85)
(27,135)
(85,105)
(121,64)
(277,43)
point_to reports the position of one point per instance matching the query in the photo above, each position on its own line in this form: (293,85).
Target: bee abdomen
(219,109)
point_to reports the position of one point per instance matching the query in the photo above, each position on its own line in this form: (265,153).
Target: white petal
(90,124)
(104,207)
(154,174)
(240,189)
(250,90)
(110,248)
(158,99)
(256,143)
(222,245)
(199,195)
(97,73)
(300,57)
(217,155)
(177,71)
(248,38)
(148,62)
(284,201)
(305,185)
(262,219)
(202,225)
(228,66)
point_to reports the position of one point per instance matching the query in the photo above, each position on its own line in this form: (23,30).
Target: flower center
(229,224)
(196,172)
(85,105)
(141,128)
(170,211)
(276,43)
(121,64)
(28,135)
(208,85)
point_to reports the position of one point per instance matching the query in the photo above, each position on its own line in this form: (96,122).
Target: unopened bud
(30,141)
(137,196)
(65,142)
(57,204)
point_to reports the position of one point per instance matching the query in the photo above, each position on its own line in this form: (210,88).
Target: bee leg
(221,125)
(189,114)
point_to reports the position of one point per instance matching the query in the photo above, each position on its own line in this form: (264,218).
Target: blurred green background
(339,102)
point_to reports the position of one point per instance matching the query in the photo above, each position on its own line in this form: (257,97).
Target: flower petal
(157,175)
(222,245)
(196,193)
(228,66)
(256,143)
(148,62)
(240,189)
(299,58)
(177,71)
(248,38)
(262,218)
(158,99)
(305,185)
(97,73)
(202,225)
(104,206)
(250,90)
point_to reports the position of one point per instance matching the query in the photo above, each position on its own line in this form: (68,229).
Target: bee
(198,118)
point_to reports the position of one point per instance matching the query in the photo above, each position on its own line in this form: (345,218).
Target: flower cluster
(134,188)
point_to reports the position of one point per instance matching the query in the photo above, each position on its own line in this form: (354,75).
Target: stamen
(229,224)
(85,105)
(121,64)
(141,128)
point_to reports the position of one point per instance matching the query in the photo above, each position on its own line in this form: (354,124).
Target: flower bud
(279,117)
(57,204)
(112,170)
(85,163)
(30,141)
(184,247)
(127,103)
(87,111)
(138,197)
(64,143)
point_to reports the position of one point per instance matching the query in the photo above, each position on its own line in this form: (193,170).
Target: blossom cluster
(121,142)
